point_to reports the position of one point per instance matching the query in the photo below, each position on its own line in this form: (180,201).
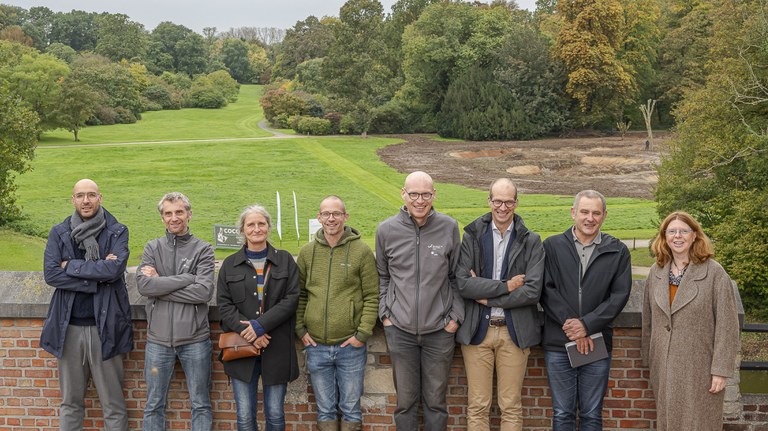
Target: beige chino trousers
(497,352)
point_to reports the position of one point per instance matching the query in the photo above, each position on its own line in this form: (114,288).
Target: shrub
(313,126)
(228,87)
(348,126)
(105,116)
(148,105)
(281,101)
(124,116)
(206,97)
(293,121)
(335,119)
(158,94)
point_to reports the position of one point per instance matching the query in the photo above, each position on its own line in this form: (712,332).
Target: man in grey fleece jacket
(417,250)
(176,276)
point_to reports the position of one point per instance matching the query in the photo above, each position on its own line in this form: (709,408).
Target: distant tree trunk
(74,131)
(647,111)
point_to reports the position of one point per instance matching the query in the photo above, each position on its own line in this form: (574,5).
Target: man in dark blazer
(500,276)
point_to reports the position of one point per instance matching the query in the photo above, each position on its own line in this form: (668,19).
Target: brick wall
(29,394)
(30,399)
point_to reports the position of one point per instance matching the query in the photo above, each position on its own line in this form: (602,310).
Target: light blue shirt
(500,242)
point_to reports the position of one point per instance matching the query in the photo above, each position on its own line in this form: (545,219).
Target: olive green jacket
(339,289)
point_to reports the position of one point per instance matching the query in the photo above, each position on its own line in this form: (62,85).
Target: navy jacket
(103,278)
(605,288)
(524,255)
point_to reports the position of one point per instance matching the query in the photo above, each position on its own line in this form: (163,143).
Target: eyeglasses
(509,204)
(90,195)
(426,196)
(673,232)
(325,215)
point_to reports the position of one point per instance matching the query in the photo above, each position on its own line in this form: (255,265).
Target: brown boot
(327,425)
(351,426)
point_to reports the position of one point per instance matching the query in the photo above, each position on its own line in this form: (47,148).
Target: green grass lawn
(237,120)
(21,252)
(641,256)
(221,178)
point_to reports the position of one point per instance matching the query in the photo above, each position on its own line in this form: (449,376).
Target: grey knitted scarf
(84,232)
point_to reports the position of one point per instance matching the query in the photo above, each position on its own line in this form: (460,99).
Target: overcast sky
(221,14)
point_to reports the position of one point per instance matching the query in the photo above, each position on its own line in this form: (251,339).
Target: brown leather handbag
(234,346)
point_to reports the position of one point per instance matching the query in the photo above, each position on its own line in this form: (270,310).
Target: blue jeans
(585,386)
(247,401)
(337,375)
(159,362)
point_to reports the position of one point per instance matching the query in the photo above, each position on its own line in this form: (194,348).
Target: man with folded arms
(176,276)
(500,276)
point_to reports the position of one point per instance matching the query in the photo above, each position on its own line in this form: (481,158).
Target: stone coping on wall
(26,295)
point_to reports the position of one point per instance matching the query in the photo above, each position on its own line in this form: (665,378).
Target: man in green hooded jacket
(338,307)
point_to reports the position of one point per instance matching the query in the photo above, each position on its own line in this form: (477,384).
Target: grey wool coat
(686,343)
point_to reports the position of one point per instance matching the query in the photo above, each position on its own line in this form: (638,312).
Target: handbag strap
(264,297)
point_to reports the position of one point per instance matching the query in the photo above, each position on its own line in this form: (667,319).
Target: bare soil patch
(565,165)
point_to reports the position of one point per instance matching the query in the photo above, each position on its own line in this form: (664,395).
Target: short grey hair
(173,197)
(258,209)
(590,194)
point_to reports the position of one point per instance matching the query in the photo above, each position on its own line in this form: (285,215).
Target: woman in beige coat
(690,328)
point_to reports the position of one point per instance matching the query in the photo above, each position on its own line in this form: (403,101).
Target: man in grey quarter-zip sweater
(417,251)
(176,276)
(587,281)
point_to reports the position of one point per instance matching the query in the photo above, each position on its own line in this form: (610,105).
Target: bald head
(333,198)
(420,179)
(85,183)
(418,193)
(86,198)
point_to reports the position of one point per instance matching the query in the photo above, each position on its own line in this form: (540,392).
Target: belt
(497,322)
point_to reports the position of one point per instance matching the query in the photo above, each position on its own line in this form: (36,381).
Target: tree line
(67,70)
(471,70)
(494,72)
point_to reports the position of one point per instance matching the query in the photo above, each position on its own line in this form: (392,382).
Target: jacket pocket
(275,288)
(391,295)
(236,284)
(351,314)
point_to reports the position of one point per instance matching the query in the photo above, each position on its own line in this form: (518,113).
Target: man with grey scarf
(89,319)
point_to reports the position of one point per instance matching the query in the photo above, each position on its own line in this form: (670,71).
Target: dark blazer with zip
(236,300)
(605,287)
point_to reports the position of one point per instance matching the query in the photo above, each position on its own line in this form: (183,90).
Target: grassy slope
(222,177)
(237,120)
(20,252)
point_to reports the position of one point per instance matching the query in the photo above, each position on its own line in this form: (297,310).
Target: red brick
(634,424)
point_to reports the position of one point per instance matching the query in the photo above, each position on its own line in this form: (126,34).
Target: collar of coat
(687,290)
(406,218)
(608,244)
(478,227)
(239,257)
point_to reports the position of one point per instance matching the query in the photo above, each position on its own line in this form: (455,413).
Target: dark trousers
(420,365)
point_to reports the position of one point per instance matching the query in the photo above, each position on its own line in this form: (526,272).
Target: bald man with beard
(88,327)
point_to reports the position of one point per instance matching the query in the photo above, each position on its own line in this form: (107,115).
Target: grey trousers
(81,360)
(421,365)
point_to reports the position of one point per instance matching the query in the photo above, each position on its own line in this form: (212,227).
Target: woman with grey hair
(258,292)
